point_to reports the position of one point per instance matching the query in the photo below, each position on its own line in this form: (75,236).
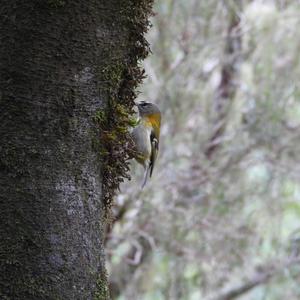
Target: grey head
(147,108)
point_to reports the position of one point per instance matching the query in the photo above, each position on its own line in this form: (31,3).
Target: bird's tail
(146,176)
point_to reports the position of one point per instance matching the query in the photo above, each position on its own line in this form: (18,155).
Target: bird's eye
(144,103)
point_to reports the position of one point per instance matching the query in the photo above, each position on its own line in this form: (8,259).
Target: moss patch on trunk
(114,121)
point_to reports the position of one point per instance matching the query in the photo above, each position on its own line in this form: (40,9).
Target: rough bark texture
(58,66)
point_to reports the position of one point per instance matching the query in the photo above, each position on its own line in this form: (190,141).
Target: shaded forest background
(220,218)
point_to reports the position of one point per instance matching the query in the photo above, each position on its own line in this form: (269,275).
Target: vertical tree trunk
(60,63)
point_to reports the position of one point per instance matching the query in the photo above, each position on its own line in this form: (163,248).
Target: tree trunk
(61,63)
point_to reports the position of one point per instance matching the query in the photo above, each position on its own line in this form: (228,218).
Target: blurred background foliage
(220,219)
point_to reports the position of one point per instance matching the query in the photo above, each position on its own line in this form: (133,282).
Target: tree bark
(56,62)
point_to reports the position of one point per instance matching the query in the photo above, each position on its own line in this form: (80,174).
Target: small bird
(146,137)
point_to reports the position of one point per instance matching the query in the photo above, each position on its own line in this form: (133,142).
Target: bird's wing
(154,151)
(153,155)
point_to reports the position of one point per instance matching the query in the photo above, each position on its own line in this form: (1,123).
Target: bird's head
(147,108)
(150,115)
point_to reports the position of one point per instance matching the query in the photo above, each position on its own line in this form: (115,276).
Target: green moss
(115,148)
(113,73)
(102,291)
(120,78)
(100,117)
(56,3)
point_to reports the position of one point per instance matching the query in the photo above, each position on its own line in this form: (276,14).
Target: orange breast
(154,121)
